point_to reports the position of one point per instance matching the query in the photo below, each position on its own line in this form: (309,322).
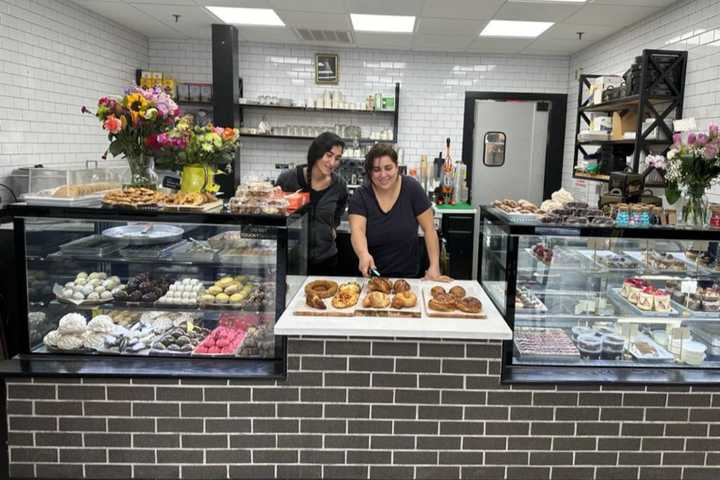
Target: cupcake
(662,301)
(646,299)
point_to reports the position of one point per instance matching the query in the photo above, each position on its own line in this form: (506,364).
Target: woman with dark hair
(328,198)
(384,218)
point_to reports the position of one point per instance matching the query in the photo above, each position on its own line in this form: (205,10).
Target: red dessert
(221,341)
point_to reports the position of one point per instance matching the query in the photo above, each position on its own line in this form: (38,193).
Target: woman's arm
(432,244)
(358,238)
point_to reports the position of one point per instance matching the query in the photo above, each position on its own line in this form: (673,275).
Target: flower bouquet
(130,122)
(692,166)
(200,151)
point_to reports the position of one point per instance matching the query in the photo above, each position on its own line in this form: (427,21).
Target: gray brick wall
(363,409)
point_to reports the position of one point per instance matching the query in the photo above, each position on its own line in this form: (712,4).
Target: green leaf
(115,148)
(672,193)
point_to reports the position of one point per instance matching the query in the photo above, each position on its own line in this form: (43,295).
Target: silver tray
(622,302)
(147,252)
(663,354)
(145,234)
(709,334)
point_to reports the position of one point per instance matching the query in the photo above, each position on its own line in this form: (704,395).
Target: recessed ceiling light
(511,28)
(382,23)
(247,16)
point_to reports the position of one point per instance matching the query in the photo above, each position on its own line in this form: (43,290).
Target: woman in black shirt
(328,199)
(384,218)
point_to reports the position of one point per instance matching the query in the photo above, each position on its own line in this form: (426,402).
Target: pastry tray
(686,311)
(181,251)
(45,199)
(154,351)
(707,335)
(542,310)
(529,218)
(145,234)
(245,259)
(662,354)
(91,246)
(638,256)
(150,252)
(416,311)
(300,308)
(529,355)
(472,292)
(205,207)
(218,355)
(622,302)
(595,256)
(566,303)
(568,260)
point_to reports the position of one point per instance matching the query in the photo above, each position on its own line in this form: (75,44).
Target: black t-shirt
(392,237)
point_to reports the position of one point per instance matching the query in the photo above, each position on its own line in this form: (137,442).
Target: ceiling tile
(189,16)
(383,40)
(229,3)
(251,33)
(498,45)
(385,7)
(445,26)
(539,12)
(320,6)
(659,4)
(556,47)
(130,17)
(568,31)
(325,21)
(441,43)
(610,15)
(474,9)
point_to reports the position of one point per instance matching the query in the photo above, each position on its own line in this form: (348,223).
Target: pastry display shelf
(167,307)
(298,108)
(349,141)
(248,263)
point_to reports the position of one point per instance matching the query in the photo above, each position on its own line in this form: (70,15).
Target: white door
(510,144)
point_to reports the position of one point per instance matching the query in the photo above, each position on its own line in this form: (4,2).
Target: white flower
(671,154)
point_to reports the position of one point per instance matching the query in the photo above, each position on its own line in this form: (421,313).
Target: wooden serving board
(205,207)
(415,311)
(472,292)
(300,308)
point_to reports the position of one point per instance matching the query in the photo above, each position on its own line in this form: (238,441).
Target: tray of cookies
(133,197)
(452,301)
(385,297)
(190,202)
(328,298)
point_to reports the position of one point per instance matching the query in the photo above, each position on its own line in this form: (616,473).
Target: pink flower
(692,138)
(702,139)
(677,138)
(218,130)
(112,124)
(714,130)
(163,139)
(710,151)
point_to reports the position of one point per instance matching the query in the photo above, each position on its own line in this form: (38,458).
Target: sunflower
(137,104)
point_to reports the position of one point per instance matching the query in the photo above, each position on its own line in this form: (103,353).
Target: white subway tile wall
(432,90)
(689,25)
(54,58)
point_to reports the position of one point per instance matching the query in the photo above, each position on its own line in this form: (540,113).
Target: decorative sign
(326,69)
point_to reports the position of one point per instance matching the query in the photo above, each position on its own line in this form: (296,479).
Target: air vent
(334,36)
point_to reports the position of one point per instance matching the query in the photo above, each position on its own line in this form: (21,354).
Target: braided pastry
(406,299)
(437,290)
(458,292)
(379,284)
(401,286)
(469,305)
(443,302)
(376,300)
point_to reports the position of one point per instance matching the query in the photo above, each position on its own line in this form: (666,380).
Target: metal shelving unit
(658,66)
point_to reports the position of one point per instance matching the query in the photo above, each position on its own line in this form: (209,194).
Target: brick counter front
(358,409)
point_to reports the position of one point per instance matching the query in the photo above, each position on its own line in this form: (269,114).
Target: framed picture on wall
(326,69)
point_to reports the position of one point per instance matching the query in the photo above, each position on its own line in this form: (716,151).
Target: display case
(143,292)
(596,304)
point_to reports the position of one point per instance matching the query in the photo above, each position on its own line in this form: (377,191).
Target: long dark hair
(322,144)
(377,151)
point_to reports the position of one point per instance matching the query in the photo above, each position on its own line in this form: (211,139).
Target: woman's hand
(433,273)
(366,263)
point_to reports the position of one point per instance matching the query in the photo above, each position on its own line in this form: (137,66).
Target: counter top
(491,328)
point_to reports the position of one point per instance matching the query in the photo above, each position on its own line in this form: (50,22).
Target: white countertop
(491,328)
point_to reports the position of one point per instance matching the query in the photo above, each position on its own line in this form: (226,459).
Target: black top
(326,208)
(392,236)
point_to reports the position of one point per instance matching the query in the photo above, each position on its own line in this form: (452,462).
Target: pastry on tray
(345,298)
(189,199)
(469,305)
(315,301)
(133,196)
(376,300)
(437,290)
(350,287)
(379,284)
(404,299)
(443,302)
(321,288)
(401,286)
(458,292)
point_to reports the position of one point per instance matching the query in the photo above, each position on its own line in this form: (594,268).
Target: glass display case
(604,304)
(157,293)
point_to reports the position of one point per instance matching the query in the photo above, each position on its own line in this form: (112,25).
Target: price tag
(688,286)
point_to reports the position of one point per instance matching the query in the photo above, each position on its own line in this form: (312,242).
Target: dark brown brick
(416,427)
(598,428)
(306,379)
(391,473)
(509,398)
(252,409)
(644,399)
(441,381)
(595,458)
(33,423)
(600,398)
(666,414)
(157,471)
(577,413)
(227,456)
(484,443)
(324,363)
(84,455)
(437,473)
(531,413)
(131,424)
(323,395)
(573,473)
(703,444)
(617,473)
(392,442)
(52,408)
(483,473)
(485,383)
(369,426)
(24,470)
(368,457)
(366,395)
(107,440)
(30,391)
(103,409)
(462,428)
(81,392)
(300,472)
(714,431)
(415,458)
(529,443)
(181,425)
(552,428)
(204,410)
(252,441)
(347,348)
(59,470)
(618,444)
(685,400)
(108,471)
(130,393)
(181,394)
(299,441)
(305,347)
(439,412)
(713,458)
(275,426)
(180,456)
(711,415)
(147,409)
(393,411)
(205,441)
(34,455)
(551,458)
(701,473)
(442,350)
(621,413)
(345,472)
(347,441)
(574,443)
(486,413)
(685,430)
(555,398)
(322,426)
(17,407)
(417,396)
(299,410)
(643,429)
(58,439)
(483,351)
(398,380)
(438,443)
(461,458)
(275,395)
(227,394)
(419,365)
(507,428)
(202,472)
(507,458)
(680,458)
(252,471)
(464,397)
(471,367)
(80,424)
(160,440)
(395,349)
(127,455)
(16,439)
(333,379)
(660,473)
(371,364)
(345,411)
(663,444)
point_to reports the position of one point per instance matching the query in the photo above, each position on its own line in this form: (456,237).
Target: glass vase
(695,211)
(142,171)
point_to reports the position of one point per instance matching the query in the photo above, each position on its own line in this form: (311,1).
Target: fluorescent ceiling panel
(382,23)
(512,28)
(247,16)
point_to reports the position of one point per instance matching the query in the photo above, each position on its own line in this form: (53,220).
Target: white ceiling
(442,25)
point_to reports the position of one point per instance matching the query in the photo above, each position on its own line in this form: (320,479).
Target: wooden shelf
(597,177)
(293,137)
(630,141)
(183,103)
(624,103)
(313,110)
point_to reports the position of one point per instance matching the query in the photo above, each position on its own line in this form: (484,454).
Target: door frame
(556,133)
